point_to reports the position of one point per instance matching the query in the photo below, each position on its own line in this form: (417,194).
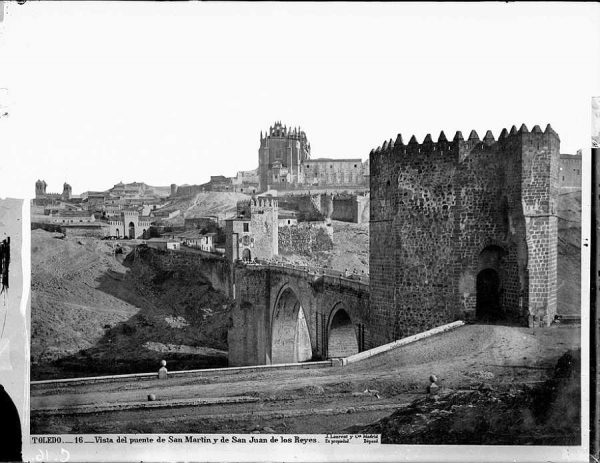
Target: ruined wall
(305,238)
(436,206)
(215,269)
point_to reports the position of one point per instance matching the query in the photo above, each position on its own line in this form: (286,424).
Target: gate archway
(341,337)
(290,338)
(131,230)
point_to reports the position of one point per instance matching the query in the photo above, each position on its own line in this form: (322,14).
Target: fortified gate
(463,229)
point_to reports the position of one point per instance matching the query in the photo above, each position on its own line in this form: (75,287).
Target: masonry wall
(305,238)
(435,207)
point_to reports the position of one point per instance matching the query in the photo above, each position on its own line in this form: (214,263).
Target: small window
(355,166)
(307,166)
(289,222)
(246,227)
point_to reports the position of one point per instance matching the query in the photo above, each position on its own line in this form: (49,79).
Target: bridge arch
(290,336)
(341,334)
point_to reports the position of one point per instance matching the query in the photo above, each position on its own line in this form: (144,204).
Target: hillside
(206,204)
(91,314)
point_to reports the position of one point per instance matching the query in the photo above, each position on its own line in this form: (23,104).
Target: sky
(102,92)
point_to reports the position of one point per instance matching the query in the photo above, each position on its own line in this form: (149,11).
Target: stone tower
(40,188)
(463,229)
(280,155)
(66,194)
(264,223)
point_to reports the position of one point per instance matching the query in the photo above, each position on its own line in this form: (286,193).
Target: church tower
(282,150)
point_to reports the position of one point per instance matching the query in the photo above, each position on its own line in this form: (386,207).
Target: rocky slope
(93,313)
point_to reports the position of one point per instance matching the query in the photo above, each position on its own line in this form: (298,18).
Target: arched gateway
(290,338)
(341,338)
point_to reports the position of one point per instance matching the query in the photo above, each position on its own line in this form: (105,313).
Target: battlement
(459,145)
(263,204)
(278,130)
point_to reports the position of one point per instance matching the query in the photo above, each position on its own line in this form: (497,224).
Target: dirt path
(329,398)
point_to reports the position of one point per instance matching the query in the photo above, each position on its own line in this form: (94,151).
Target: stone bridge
(287,314)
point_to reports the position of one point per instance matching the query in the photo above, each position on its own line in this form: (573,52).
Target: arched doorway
(246,254)
(118,233)
(341,339)
(290,339)
(131,230)
(489,285)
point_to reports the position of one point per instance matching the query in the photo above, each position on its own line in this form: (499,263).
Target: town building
(163,244)
(569,175)
(129,224)
(254,233)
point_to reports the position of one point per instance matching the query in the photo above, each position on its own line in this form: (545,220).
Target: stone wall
(305,238)
(435,207)
(89,231)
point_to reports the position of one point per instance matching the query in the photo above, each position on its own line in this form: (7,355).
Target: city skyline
(190,101)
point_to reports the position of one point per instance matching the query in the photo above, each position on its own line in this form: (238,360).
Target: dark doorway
(489,305)
(131,230)
(246,255)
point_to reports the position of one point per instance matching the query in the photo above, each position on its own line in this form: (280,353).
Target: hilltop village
(285,206)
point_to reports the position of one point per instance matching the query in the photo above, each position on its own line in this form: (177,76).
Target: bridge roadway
(307,400)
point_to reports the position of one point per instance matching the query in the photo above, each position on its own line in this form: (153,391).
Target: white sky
(175,92)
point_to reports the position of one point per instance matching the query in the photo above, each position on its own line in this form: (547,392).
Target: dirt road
(310,400)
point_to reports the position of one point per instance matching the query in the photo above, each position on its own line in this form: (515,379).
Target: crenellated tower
(463,228)
(281,152)
(40,188)
(264,223)
(67,192)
